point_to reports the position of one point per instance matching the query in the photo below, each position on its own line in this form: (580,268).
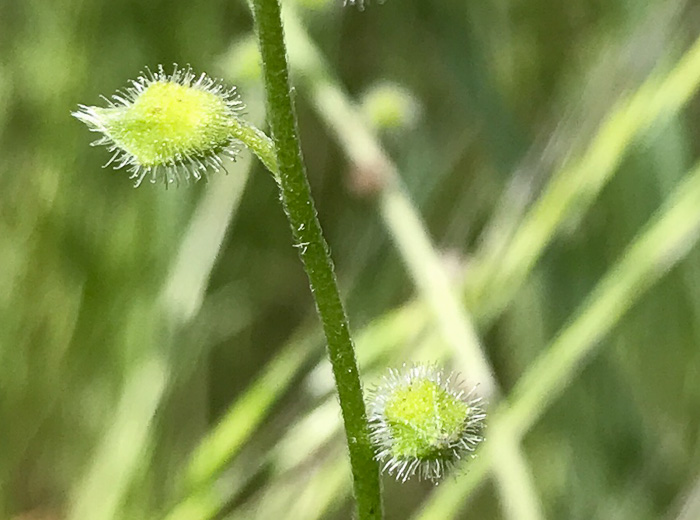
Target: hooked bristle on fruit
(422,422)
(167,127)
(359,3)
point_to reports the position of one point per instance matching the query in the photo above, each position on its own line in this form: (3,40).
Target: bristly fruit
(422,423)
(167,127)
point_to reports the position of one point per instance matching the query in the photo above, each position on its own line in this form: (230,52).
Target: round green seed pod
(391,107)
(422,423)
(168,127)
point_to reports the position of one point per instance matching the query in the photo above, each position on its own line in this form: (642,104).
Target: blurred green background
(159,352)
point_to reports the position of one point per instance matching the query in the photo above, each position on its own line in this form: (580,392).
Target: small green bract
(421,422)
(167,127)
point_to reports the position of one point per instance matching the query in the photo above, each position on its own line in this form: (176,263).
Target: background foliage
(133,322)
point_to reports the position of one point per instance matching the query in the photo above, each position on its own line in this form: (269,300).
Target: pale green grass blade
(690,509)
(107,480)
(309,493)
(664,242)
(118,457)
(184,291)
(573,189)
(236,427)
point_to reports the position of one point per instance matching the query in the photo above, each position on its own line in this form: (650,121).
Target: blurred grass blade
(622,66)
(182,295)
(118,457)
(690,510)
(669,236)
(108,480)
(241,420)
(665,241)
(498,276)
(304,494)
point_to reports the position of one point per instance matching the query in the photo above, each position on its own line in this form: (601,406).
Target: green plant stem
(405,225)
(257,141)
(313,250)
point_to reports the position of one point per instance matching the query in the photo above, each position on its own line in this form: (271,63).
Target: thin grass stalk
(668,237)
(498,275)
(179,301)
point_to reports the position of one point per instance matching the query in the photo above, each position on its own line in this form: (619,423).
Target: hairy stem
(257,141)
(313,250)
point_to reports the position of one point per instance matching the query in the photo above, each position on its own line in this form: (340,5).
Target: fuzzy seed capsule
(167,127)
(422,423)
